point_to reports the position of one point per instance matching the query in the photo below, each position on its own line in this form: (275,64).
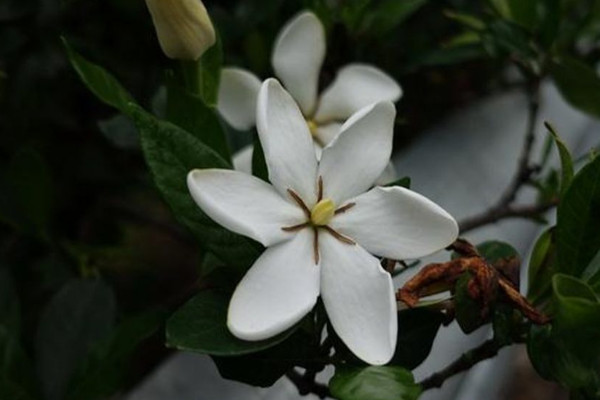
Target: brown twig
(486,350)
(504,206)
(306,384)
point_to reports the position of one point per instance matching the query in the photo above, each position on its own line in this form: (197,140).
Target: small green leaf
(373,383)
(104,85)
(191,114)
(200,325)
(404,182)
(105,370)
(578,83)
(494,251)
(80,315)
(467,20)
(566,160)
(577,233)
(171,153)
(542,266)
(468,310)
(417,328)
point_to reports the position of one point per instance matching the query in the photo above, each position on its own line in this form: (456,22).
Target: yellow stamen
(322,212)
(312,127)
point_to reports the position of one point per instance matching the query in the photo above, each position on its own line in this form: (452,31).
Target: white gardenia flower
(320,222)
(297,58)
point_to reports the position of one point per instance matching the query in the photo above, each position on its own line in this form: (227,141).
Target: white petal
(242,160)
(359,154)
(359,298)
(326,133)
(287,143)
(297,58)
(238,91)
(388,175)
(397,223)
(354,87)
(243,204)
(279,289)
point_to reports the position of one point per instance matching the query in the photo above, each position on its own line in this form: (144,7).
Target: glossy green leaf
(577,306)
(542,266)
(578,83)
(100,82)
(265,367)
(189,112)
(417,328)
(171,153)
(373,383)
(80,315)
(105,370)
(577,233)
(200,325)
(566,160)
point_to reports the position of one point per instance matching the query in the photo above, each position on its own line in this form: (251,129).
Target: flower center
(312,127)
(322,212)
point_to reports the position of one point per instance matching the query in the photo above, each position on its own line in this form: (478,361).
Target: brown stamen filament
(320,191)
(344,208)
(338,235)
(294,228)
(300,202)
(316,245)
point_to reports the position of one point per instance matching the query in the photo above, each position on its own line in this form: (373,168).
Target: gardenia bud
(183,27)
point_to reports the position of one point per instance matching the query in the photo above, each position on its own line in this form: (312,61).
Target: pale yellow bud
(322,212)
(183,27)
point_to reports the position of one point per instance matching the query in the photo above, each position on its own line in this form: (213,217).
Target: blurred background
(76,199)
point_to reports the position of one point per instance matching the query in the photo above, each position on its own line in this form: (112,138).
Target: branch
(486,350)
(495,214)
(503,208)
(306,384)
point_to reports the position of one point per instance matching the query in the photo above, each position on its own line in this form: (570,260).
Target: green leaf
(16,375)
(577,306)
(389,14)
(566,160)
(524,12)
(104,85)
(210,64)
(373,383)
(105,370)
(542,266)
(265,367)
(467,20)
(504,37)
(592,273)
(468,310)
(578,83)
(191,114)
(417,328)
(200,325)
(404,182)
(80,315)
(448,56)
(259,164)
(494,251)
(171,153)
(577,233)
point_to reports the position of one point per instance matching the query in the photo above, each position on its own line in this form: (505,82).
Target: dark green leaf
(467,20)
(373,383)
(468,310)
(577,233)
(494,251)
(503,324)
(592,273)
(171,153)
(524,12)
(200,325)
(265,367)
(105,370)
(542,266)
(10,313)
(505,37)
(577,306)
(259,164)
(210,64)
(404,182)
(448,56)
(80,315)
(578,83)
(566,161)
(417,329)
(389,14)
(104,85)
(189,112)
(17,380)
